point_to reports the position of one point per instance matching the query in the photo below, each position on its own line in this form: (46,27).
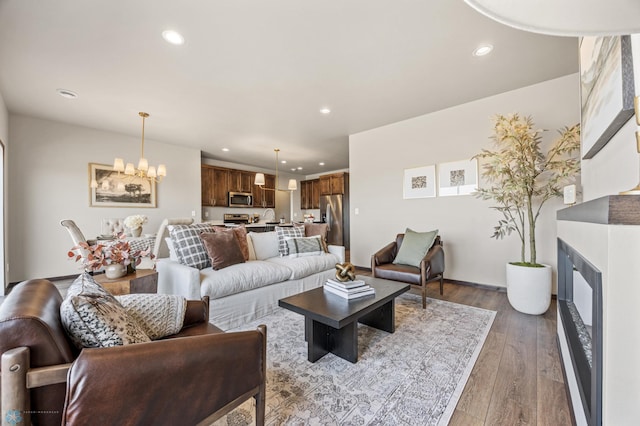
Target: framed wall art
(606,89)
(119,190)
(419,182)
(458,177)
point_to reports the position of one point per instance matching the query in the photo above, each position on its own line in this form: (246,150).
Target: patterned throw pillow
(305,246)
(159,315)
(295,231)
(188,245)
(93,318)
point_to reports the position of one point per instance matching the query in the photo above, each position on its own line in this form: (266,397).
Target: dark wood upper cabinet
(332,184)
(206,175)
(310,194)
(262,197)
(214,185)
(220,187)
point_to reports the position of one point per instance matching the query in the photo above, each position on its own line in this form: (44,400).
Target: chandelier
(143,170)
(293,184)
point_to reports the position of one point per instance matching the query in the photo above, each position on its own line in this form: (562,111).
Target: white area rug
(414,376)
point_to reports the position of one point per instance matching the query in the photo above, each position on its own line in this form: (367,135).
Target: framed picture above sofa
(113,189)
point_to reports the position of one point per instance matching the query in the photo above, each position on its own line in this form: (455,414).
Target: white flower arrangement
(135,221)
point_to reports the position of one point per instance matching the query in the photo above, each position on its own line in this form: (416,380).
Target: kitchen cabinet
(310,194)
(240,181)
(220,187)
(206,176)
(315,194)
(214,186)
(332,184)
(264,198)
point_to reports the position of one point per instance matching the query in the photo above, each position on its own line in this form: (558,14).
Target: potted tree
(520,179)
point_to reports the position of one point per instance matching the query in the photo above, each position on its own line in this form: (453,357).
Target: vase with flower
(134,224)
(115,257)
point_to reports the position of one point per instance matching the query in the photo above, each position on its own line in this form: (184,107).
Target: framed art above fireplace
(606,89)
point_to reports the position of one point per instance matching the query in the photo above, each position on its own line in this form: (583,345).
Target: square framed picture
(606,89)
(119,190)
(419,182)
(458,177)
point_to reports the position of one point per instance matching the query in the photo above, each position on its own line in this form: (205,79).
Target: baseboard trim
(52,279)
(476,285)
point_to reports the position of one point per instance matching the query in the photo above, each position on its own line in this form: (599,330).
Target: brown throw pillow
(312,229)
(240,233)
(223,248)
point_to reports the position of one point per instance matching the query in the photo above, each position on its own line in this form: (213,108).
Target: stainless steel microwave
(240,199)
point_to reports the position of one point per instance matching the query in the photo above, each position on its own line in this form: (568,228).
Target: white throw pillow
(265,244)
(172,249)
(158,315)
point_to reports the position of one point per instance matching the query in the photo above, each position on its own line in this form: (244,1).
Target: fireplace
(580,328)
(598,314)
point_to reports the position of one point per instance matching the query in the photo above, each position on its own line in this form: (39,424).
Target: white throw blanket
(158,315)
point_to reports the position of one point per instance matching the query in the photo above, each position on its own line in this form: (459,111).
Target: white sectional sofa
(243,292)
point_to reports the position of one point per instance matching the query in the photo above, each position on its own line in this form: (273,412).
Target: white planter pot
(529,289)
(115,270)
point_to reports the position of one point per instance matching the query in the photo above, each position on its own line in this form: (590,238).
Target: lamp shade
(143,164)
(94,183)
(293,185)
(129,170)
(152,172)
(118,165)
(564,17)
(259,179)
(162,170)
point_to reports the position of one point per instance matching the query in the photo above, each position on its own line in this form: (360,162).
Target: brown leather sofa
(199,374)
(431,267)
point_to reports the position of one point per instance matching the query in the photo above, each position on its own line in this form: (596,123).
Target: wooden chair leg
(441,285)
(424,296)
(15,395)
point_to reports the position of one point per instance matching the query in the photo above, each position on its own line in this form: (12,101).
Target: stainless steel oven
(240,199)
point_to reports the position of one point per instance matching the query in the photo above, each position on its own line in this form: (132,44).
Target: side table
(140,281)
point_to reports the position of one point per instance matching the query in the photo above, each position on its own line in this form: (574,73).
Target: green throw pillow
(414,246)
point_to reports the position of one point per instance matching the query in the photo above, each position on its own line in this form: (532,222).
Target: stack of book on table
(349,289)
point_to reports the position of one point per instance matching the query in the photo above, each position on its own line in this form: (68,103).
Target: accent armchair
(199,374)
(431,266)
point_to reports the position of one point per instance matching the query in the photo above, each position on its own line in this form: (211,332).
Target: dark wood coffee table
(331,322)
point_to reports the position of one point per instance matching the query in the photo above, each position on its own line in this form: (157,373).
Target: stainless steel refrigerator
(334,210)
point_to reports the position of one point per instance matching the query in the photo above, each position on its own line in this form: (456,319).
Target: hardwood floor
(517,379)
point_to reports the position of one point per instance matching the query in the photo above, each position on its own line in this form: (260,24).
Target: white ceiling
(253,74)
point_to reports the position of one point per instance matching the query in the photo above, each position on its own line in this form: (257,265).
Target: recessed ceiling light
(173,37)
(325,110)
(284,161)
(67,93)
(320,164)
(225,149)
(483,49)
(299,168)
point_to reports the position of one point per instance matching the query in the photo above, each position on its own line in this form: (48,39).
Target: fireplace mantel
(606,233)
(610,210)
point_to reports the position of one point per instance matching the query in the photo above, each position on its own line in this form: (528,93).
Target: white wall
(283,204)
(4,121)
(4,137)
(49,181)
(378,157)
